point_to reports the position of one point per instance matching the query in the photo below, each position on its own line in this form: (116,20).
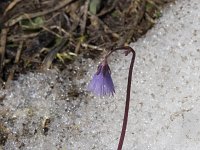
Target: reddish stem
(123,131)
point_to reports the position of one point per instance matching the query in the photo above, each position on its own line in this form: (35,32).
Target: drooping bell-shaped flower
(102,84)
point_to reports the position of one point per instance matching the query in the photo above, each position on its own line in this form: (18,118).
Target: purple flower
(102,83)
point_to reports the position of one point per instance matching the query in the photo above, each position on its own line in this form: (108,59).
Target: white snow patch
(164,110)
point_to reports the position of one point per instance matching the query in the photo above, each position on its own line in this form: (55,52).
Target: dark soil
(41,34)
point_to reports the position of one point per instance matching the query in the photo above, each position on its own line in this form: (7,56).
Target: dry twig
(12,72)
(23,37)
(85,45)
(3,46)
(11,6)
(85,17)
(13,21)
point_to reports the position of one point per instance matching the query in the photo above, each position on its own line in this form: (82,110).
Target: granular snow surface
(54,111)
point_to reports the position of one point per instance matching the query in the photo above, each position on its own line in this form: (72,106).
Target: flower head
(102,83)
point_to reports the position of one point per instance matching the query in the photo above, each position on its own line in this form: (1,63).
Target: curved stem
(125,120)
